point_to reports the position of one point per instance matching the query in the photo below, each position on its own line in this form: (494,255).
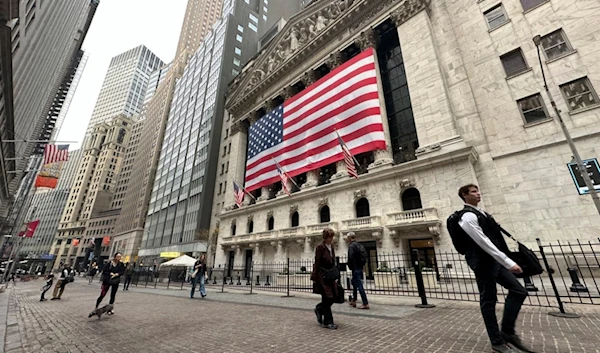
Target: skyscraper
(179,212)
(124,87)
(141,162)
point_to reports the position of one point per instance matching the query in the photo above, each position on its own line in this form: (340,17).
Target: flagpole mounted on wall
(41,141)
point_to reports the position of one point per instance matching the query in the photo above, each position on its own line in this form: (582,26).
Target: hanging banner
(75,242)
(48,175)
(105,240)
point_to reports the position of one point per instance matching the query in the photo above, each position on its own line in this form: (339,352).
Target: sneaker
(331,326)
(319,317)
(516,341)
(504,348)
(364,306)
(203,295)
(54,298)
(111,312)
(92,314)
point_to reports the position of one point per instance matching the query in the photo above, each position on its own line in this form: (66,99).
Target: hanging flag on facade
(31,227)
(75,242)
(238,194)
(105,241)
(301,133)
(56,153)
(348,158)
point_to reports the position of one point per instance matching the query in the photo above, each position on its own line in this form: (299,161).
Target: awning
(182,261)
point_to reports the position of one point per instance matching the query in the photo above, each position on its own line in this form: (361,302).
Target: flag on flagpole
(300,133)
(238,194)
(31,227)
(284,179)
(56,153)
(348,158)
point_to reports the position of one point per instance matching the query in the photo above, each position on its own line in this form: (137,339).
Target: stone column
(369,39)
(264,193)
(312,179)
(308,249)
(237,166)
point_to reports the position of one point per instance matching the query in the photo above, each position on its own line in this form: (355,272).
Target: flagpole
(289,177)
(246,191)
(341,139)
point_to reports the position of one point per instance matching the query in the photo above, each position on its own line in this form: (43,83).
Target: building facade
(91,195)
(460,104)
(179,212)
(199,17)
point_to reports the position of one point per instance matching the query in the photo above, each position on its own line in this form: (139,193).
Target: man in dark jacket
(198,276)
(487,257)
(357,258)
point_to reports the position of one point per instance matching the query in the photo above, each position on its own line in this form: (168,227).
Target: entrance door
(425,252)
(230,260)
(371,265)
(248,263)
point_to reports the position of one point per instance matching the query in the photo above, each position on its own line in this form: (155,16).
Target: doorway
(230,259)
(371,266)
(425,252)
(248,264)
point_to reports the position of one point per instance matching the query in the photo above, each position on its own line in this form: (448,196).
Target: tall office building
(44,40)
(179,212)
(124,87)
(47,205)
(199,18)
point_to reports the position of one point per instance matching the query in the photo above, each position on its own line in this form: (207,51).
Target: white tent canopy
(181,261)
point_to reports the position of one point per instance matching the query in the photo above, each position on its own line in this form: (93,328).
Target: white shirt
(328,246)
(470,224)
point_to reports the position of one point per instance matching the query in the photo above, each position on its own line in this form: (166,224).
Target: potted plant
(429,277)
(386,277)
(282,277)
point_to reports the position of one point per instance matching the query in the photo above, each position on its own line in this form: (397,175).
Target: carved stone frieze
(358,194)
(250,218)
(293,208)
(406,183)
(270,104)
(323,202)
(236,127)
(269,214)
(428,149)
(368,39)
(289,92)
(309,78)
(334,60)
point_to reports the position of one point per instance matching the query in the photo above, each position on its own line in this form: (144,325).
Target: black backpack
(460,239)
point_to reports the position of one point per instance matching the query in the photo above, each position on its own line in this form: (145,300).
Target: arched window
(411,199)
(362,208)
(250,226)
(295,219)
(271,223)
(324,214)
(233,229)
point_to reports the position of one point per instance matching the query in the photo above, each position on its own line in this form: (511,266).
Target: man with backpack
(66,276)
(357,258)
(476,235)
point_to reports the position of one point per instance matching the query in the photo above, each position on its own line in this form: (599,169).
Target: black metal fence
(572,275)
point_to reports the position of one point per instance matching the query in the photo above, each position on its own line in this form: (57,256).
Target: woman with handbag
(325,276)
(111,277)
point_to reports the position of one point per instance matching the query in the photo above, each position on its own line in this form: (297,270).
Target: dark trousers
(487,277)
(324,308)
(45,289)
(113,292)
(357,286)
(127,283)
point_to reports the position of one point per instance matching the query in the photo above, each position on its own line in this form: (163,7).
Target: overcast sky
(118,26)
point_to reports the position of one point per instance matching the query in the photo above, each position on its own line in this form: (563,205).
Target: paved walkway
(149,320)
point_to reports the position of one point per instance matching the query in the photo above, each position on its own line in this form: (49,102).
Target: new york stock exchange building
(454,102)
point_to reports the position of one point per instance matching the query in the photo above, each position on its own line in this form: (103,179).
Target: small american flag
(238,194)
(284,178)
(348,158)
(301,133)
(56,153)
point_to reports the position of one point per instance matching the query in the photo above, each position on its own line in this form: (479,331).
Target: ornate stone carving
(233,222)
(334,60)
(368,39)
(406,183)
(309,240)
(323,201)
(408,10)
(309,78)
(428,149)
(250,218)
(289,92)
(293,208)
(269,214)
(236,127)
(270,104)
(358,194)
(436,232)
(378,237)
(252,118)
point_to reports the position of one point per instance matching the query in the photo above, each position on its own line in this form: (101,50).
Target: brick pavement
(163,320)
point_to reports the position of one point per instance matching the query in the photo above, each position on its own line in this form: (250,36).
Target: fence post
(287,284)
(223,285)
(420,283)
(169,281)
(576,286)
(250,278)
(146,285)
(529,285)
(561,307)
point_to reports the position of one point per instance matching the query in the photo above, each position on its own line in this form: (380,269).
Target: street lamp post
(582,168)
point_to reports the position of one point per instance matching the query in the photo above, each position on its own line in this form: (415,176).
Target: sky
(120,25)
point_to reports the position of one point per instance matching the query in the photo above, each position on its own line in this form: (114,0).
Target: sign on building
(593,170)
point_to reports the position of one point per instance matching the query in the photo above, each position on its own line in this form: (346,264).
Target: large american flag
(56,153)
(301,133)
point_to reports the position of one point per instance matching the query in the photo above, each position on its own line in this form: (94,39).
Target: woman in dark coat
(324,259)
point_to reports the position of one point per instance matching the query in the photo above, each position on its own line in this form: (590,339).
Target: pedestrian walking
(357,258)
(65,275)
(111,277)
(486,254)
(325,276)
(128,276)
(92,272)
(198,276)
(47,286)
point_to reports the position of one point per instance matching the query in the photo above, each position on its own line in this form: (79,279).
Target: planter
(281,280)
(386,280)
(429,280)
(301,280)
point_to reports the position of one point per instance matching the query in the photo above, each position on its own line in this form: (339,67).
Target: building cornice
(304,36)
(401,171)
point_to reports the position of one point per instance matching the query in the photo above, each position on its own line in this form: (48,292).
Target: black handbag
(525,258)
(331,274)
(340,298)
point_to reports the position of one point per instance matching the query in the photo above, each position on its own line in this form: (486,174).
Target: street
(160,320)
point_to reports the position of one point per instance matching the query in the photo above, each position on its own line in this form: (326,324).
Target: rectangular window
(238,51)
(555,44)
(220,188)
(222,169)
(579,94)
(239,38)
(253,18)
(265,17)
(513,62)
(236,62)
(530,4)
(234,72)
(532,108)
(496,16)
(241,28)
(224,151)
(253,27)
